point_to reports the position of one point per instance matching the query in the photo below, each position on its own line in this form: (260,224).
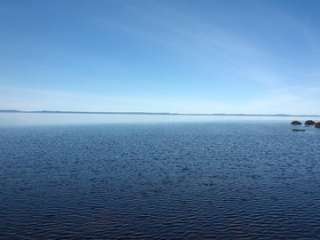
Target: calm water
(218,179)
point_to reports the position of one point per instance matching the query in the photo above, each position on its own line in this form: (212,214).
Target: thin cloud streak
(208,45)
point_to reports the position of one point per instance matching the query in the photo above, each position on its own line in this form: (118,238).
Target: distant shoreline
(162,113)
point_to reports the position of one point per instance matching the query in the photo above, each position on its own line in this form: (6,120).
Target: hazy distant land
(163,113)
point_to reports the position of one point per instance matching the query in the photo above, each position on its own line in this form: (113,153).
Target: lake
(77,176)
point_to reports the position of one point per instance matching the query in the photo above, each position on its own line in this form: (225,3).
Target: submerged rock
(309,123)
(299,130)
(296,123)
(317,125)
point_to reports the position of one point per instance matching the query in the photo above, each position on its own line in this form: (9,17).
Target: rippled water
(204,180)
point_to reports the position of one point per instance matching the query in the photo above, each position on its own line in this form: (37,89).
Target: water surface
(167,179)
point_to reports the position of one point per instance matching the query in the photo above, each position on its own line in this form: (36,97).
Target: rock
(296,123)
(309,123)
(317,125)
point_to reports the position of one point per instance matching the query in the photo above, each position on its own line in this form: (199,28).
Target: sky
(187,56)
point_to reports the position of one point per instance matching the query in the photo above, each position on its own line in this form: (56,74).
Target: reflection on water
(20,119)
(205,180)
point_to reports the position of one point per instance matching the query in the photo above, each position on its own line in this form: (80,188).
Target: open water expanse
(152,177)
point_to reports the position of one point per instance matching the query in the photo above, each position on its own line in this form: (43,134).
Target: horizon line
(159,113)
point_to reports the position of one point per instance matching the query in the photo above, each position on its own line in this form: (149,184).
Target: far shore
(162,113)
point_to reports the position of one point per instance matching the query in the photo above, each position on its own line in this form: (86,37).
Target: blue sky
(203,56)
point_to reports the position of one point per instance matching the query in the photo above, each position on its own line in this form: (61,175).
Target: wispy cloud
(206,45)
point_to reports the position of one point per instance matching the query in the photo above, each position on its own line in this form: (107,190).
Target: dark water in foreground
(235,180)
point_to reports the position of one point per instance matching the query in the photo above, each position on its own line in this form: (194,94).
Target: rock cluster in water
(307,123)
